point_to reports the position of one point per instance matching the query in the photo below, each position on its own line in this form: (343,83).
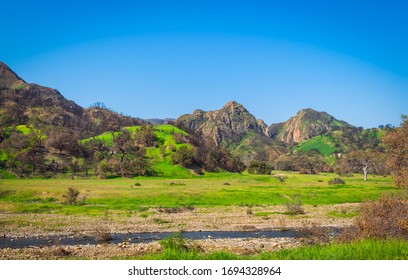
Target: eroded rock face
(307,124)
(223,126)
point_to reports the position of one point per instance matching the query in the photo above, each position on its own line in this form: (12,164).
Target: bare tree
(364,161)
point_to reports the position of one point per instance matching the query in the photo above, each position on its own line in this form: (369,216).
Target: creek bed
(42,241)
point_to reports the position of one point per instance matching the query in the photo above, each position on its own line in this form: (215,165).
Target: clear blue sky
(166,58)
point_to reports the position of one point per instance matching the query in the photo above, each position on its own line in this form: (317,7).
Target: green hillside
(25,130)
(344,141)
(322,143)
(158,156)
(161,155)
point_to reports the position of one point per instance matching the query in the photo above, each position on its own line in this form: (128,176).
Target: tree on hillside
(397,152)
(145,136)
(58,139)
(184,156)
(212,157)
(122,143)
(25,153)
(364,161)
(309,162)
(285,163)
(259,167)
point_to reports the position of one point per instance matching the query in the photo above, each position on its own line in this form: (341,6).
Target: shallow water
(6,242)
(138,238)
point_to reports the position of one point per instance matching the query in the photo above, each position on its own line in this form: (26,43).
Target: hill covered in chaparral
(225,139)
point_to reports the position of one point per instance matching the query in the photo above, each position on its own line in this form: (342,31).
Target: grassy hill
(160,156)
(344,141)
(25,130)
(322,143)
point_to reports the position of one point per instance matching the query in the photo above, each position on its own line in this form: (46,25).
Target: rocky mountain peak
(231,105)
(306,124)
(225,125)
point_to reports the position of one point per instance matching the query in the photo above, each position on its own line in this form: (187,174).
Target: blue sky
(166,58)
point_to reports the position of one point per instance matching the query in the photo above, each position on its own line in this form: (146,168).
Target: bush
(294,207)
(259,167)
(170,210)
(282,178)
(174,242)
(102,234)
(184,156)
(71,197)
(386,218)
(337,181)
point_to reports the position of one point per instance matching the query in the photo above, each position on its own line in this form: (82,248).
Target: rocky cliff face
(235,128)
(307,124)
(223,126)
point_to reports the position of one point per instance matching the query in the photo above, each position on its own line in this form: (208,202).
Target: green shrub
(71,197)
(337,181)
(259,167)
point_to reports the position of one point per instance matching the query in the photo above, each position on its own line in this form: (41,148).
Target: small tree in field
(363,161)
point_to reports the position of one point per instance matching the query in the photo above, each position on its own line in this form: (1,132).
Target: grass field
(211,190)
(221,201)
(370,249)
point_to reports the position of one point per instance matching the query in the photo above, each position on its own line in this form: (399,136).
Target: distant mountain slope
(22,102)
(345,140)
(224,126)
(160,121)
(9,79)
(307,124)
(235,128)
(232,127)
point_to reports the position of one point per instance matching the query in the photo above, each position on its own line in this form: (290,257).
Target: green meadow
(369,249)
(209,190)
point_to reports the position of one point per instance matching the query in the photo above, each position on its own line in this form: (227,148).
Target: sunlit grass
(370,249)
(212,190)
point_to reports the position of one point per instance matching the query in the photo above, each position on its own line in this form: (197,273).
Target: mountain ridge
(218,137)
(22,102)
(306,124)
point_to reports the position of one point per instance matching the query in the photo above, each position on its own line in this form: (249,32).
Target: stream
(41,241)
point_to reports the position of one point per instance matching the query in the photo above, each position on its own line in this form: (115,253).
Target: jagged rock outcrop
(307,124)
(223,126)
(235,128)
